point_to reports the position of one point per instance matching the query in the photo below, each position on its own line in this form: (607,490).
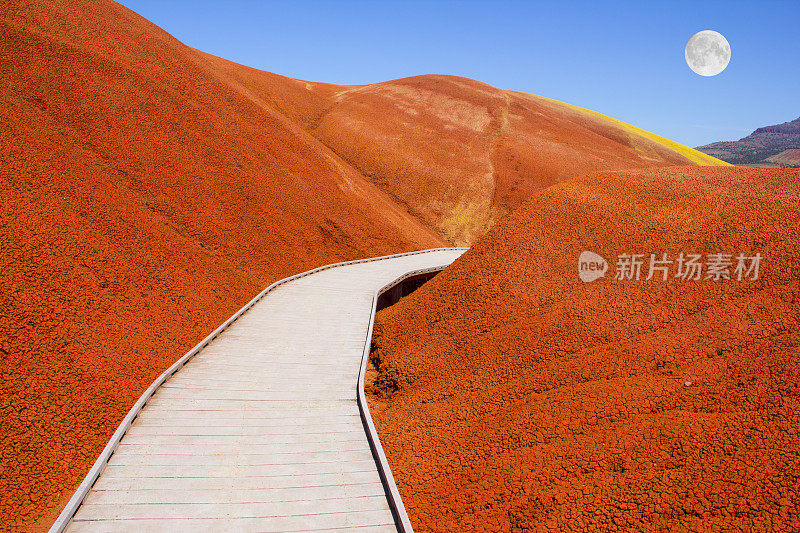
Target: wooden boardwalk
(261,430)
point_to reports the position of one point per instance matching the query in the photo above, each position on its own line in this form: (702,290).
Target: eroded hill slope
(458,153)
(512,396)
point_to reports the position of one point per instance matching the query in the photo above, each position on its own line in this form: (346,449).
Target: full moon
(708,53)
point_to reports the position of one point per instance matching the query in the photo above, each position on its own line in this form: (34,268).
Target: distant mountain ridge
(777,145)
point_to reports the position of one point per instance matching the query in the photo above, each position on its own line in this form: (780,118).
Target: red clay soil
(457,152)
(142,202)
(512,396)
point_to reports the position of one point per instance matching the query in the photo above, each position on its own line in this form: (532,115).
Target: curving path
(261,427)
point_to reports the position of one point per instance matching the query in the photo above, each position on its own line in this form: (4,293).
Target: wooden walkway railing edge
(393,494)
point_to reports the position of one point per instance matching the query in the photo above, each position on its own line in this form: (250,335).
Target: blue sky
(624,59)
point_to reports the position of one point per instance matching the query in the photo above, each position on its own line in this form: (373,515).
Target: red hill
(512,396)
(459,153)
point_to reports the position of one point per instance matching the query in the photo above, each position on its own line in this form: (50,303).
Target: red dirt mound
(512,396)
(457,152)
(142,201)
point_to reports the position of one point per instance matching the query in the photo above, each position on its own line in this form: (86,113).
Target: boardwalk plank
(261,430)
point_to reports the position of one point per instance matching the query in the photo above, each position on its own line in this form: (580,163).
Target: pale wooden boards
(261,430)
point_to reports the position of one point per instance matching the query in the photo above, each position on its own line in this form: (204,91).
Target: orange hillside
(457,152)
(512,396)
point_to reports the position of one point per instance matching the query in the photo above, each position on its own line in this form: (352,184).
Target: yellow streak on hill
(691,154)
